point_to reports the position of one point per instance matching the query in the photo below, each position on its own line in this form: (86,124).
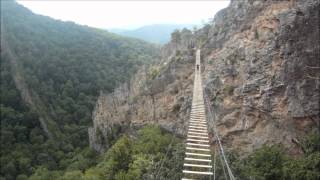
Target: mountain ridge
(155,33)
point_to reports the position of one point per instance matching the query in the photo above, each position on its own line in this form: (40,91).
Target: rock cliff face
(159,94)
(261,77)
(260,72)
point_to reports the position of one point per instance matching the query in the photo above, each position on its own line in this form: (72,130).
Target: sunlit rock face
(259,74)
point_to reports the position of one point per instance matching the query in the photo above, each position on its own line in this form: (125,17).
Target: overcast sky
(127,14)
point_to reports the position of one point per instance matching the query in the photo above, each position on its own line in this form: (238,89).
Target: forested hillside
(51,75)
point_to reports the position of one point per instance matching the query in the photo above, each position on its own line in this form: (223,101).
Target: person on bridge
(197,66)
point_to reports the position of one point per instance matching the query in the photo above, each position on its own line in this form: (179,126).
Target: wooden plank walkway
(197,162)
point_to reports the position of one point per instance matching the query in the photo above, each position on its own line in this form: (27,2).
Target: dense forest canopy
(64,65)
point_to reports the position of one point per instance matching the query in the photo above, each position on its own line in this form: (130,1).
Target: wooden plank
(198,154)
(197,172)
(198,149)
(196,165)
(194,159)
(197,130)
(197,121)
(200,137)
(198,140)
(197,127)
(194,144)
(197,124)
(197,117)
(197,133)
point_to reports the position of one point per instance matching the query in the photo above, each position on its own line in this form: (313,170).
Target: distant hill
(157,33)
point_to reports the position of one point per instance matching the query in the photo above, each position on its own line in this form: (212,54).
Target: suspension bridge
(198,162)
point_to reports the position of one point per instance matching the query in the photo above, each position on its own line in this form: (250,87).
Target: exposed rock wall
(159,94)
(260,72)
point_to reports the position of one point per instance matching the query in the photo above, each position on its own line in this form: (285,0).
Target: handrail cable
(223,166)
(214,163)
(218,138)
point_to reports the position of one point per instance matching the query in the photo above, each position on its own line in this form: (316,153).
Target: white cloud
(127,14)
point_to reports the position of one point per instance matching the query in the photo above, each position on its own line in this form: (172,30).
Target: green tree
(42,173)
(72,175)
